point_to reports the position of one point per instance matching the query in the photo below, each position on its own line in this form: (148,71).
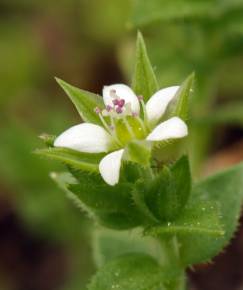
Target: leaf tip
(61,82)
(140,39)
(47,139)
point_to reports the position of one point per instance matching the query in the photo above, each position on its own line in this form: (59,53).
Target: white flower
(123,122)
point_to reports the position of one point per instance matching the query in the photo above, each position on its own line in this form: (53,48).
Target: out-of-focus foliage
(79,41)
(201,36)
(40,40)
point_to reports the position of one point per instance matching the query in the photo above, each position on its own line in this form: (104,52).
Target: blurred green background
(44,239)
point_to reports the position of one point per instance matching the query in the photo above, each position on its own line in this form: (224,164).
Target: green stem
(172,264)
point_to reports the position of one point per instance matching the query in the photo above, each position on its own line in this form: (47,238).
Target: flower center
(120,121)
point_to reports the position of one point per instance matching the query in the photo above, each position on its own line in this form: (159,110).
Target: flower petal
(172,128)
(110,167)
(85,137)
(157,104)
(123,92)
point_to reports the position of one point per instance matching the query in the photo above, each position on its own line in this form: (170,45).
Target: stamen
(115,102)
(114,134)
(110,129)
(109,108)
(121,103)
(119,110)
(107,127)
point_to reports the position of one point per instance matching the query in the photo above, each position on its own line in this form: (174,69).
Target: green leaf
(201,220)
(141,189)
(84,101)
(226,190)
(102,198)
(139,152)
(170,191)
(112,204)
(79,160)
(182,97)
(144,81)
(109,244)
(129,272)
(65,179)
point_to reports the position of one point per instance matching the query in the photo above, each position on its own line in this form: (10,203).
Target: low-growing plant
(129,170)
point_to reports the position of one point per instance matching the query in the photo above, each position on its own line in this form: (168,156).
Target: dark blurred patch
(28,262)
(226,270)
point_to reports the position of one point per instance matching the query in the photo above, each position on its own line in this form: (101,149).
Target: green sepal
(84,101)
(139,152)
(79,160)
(129,272)
(170,190)
(144,81)
(182,98)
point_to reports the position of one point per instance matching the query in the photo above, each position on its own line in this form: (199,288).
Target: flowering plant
(128,169)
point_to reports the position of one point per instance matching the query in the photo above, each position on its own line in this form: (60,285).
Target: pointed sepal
(144,81)
(84,101)
(182,98)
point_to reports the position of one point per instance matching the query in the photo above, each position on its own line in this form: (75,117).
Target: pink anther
(119,110)
(115,102)
(97,110)
(108,108)
(121,103)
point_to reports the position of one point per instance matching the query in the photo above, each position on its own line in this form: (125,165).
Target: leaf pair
(202,230)
(209,220)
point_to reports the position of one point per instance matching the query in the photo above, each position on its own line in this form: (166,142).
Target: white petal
(123,92)
(85,137)
(158,103)
(171,129)
(110,167)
